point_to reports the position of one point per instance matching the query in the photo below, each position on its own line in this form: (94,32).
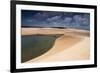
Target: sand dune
(72,45)
(30,31)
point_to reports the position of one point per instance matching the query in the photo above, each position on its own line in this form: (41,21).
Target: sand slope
(74,45)
(73,53)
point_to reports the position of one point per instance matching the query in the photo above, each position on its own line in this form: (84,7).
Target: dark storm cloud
(55,19)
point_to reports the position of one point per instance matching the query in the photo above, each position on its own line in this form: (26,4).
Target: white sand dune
(30,31)
(73,45)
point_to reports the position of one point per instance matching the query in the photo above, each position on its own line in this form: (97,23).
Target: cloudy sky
(55,19)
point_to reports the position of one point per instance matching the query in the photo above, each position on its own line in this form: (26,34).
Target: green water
(33,46)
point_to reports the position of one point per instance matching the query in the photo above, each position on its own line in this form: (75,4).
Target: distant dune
(74,44)
(30,31)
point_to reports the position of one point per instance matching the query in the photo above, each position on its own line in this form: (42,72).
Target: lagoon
(33,46)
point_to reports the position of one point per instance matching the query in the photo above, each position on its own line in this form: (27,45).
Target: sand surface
(30,31)
(74,44)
